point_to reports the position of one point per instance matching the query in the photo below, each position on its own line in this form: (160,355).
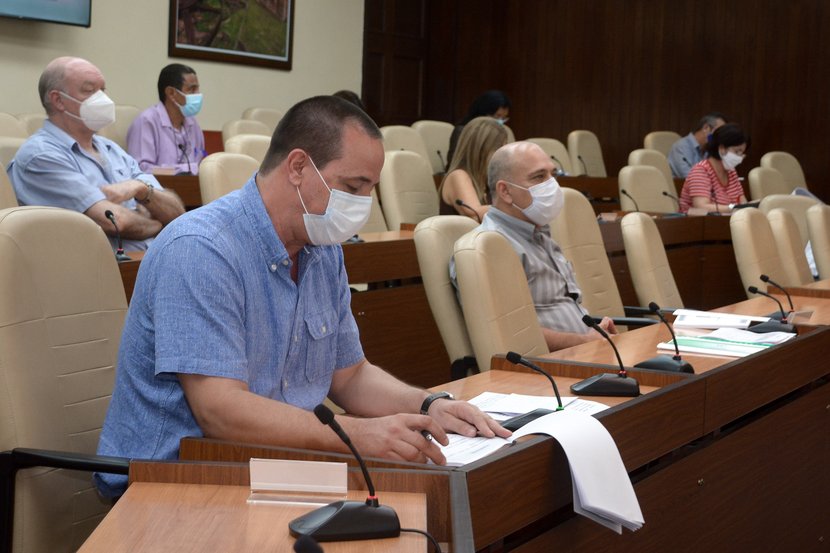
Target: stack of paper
(730,342)
(689,318)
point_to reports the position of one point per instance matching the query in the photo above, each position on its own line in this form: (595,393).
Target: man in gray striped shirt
(526,197)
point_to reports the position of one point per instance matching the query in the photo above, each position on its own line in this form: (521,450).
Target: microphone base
(773,326)
(607,384)
(121,256)
(347,520)
(666,363)
(519,421)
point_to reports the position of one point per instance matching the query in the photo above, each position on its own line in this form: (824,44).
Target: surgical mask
(731,160)
(192,104)
(97,111)
(547,201)
(345,215)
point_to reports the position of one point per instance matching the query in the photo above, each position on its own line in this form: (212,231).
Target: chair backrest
(12,126)
(557,152)
(59,336)
(662,141)
(221,173)
(495,298)
(797,205)
(646,185)
(787,165)
(794,266)
(818,223)
(577,232)
(436,138)
(376,221)
(755,251)
(7,196)
(243,126)
(268,116)
(407,191)
(32,121)
(117,132)
(434,241)
(655,159)
(647,262)
(401,137)
(8,149)
(252,145)
(765,181)
(586,154)
(511,137)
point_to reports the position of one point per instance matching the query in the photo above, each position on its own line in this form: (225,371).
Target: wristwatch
(433,397)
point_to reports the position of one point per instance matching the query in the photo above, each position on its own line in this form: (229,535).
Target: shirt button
(285,262)
(285,384)
(324,328)
(295,338)
(273,267)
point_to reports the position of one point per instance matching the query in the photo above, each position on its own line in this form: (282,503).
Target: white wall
(128,42)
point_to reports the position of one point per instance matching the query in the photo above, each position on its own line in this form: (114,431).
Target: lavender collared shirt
(154,142)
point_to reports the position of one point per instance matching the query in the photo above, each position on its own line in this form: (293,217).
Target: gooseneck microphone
(560,171)
(754,290)
(584,167)
(673,197)
(441,158)
(624,192)
(768,280)
(517,422)
(774,324)
(119,253)
(460,203)
(607,384)
(183,149)
(673,363)
(347,520)
(686,161)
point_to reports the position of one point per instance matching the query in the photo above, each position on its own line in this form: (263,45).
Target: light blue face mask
(192,104)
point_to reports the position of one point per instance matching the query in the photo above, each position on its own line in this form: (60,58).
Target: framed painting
(250,32)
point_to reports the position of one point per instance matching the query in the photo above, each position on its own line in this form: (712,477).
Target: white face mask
(97,111)
(547,201)
(345,215)
(731,160)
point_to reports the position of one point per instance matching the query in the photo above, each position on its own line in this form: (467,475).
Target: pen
(426,435)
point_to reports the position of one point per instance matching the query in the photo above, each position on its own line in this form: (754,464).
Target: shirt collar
(62,137)
(523,228)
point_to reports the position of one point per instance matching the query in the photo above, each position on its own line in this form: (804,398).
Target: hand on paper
(466,419)
(397,437)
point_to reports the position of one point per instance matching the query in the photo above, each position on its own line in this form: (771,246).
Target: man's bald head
(504,161)
(55,75)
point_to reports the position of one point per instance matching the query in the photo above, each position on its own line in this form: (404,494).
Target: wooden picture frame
(248,32)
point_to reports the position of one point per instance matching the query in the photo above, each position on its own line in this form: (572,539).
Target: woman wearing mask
(466,179)
(713,183)
(493,103)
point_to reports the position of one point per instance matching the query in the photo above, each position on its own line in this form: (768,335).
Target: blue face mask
(192,105)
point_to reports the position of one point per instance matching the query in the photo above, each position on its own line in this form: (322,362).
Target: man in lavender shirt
(167,135)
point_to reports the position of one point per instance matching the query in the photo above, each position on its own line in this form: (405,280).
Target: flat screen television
(68,12)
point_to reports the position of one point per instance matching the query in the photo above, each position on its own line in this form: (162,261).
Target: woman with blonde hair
(466,179)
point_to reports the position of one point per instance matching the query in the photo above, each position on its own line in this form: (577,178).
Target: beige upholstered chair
(59,336)
(646,185)
(12,126)
(647,262)
(511,137)
(124,117)
(401,137)
(577,232)
(794,267)
(243,126)
(407,191)
(495,298)
(7,195)
(765,181)
(797,205)
(32,121)
(267,116)
(8,149)
(252,145)
(434,241)
(376,222)
(787,165)
(655,159)
(586,154)
(662,141)
(818,223)
(755,251)
(557,152)
(436,137)
(222,172)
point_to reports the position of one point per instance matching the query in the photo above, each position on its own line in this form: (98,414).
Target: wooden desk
(129,272)
(761,306)
(158,517)
(819,289)
(602,191)
(186,186)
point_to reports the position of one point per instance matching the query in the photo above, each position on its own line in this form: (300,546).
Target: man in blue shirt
(691,149)
(65,164)
(240,320)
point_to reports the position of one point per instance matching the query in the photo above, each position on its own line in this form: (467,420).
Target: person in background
(691,149)
(65,164)
(167,135)
(466,179)
(713,183)
(493,103)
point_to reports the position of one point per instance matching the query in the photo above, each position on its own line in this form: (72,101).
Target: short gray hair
(499,168)
(51,79)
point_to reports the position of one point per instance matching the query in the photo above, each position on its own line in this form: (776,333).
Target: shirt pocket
(320,344)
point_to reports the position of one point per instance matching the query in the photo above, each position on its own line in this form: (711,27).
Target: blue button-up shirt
(685,154)
(52,169)
(214,296)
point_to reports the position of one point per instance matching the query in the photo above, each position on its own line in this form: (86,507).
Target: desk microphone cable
(429,536)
